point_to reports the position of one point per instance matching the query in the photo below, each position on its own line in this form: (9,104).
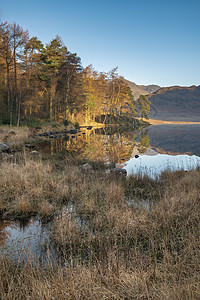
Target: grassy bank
(126,248)
(15,137)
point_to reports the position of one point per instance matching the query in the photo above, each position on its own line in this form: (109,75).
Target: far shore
(160,122)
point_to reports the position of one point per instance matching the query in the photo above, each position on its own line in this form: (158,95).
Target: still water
(25,239)
(160,148)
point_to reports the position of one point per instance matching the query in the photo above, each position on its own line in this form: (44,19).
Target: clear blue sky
(151,41)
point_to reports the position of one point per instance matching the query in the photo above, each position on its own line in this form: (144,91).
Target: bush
(76,125)
(66,122)
(32,123)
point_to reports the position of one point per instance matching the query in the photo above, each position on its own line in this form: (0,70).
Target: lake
(174,146)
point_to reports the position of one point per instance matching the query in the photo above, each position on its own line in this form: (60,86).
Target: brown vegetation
(15,136)
(113,247)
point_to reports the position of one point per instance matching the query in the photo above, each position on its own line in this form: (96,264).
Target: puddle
(20,241)
(32,239)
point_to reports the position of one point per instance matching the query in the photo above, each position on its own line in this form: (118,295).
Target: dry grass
(32,185)
(110,279)
(121,252)
(15,137)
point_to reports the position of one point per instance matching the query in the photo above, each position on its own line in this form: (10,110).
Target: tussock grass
(122,251)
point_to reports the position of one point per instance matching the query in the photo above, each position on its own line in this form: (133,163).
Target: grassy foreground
(124,251)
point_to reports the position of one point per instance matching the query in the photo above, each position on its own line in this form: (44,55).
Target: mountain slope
(176,104)
(138,90)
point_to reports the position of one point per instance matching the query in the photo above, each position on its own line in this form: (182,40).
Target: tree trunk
(19,109)
(8,87)
(15,78)
(51,108)
(11,112)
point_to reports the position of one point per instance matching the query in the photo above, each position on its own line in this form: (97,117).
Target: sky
(151,41)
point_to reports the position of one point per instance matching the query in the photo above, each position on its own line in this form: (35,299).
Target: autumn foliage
(48,82)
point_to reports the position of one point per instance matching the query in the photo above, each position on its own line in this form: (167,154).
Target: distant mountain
(150,88)
(176,104)
(138,90)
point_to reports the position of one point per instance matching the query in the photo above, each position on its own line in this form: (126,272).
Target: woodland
(48,82)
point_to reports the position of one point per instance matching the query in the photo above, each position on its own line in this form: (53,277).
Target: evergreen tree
(143,105)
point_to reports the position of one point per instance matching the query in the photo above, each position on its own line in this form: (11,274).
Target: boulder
(87,168)
(34,153)
(4,148)
(73,131)
(118,171)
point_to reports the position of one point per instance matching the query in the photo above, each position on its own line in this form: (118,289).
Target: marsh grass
(123,251)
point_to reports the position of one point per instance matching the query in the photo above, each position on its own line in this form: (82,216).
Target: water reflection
(118,144)
(19,239)
(175,139)
(108,144)
(153,166)
(4,235)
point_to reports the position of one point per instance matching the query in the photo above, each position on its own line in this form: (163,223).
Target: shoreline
(162,122)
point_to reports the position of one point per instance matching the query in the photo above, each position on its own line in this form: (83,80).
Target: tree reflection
(109,144)
(143,141)
(3,234)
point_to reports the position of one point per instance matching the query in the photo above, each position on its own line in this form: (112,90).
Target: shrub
(76,125)
(66,122)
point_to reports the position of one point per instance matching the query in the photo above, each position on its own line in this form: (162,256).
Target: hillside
(138,90)
(176,104)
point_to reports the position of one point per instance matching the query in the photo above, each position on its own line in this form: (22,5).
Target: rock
(4,148)
(29,147)
(87,168)
(118,171)
(34,153)
(73,131)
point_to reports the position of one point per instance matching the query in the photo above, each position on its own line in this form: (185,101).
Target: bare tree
(6,55)
(18,39)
